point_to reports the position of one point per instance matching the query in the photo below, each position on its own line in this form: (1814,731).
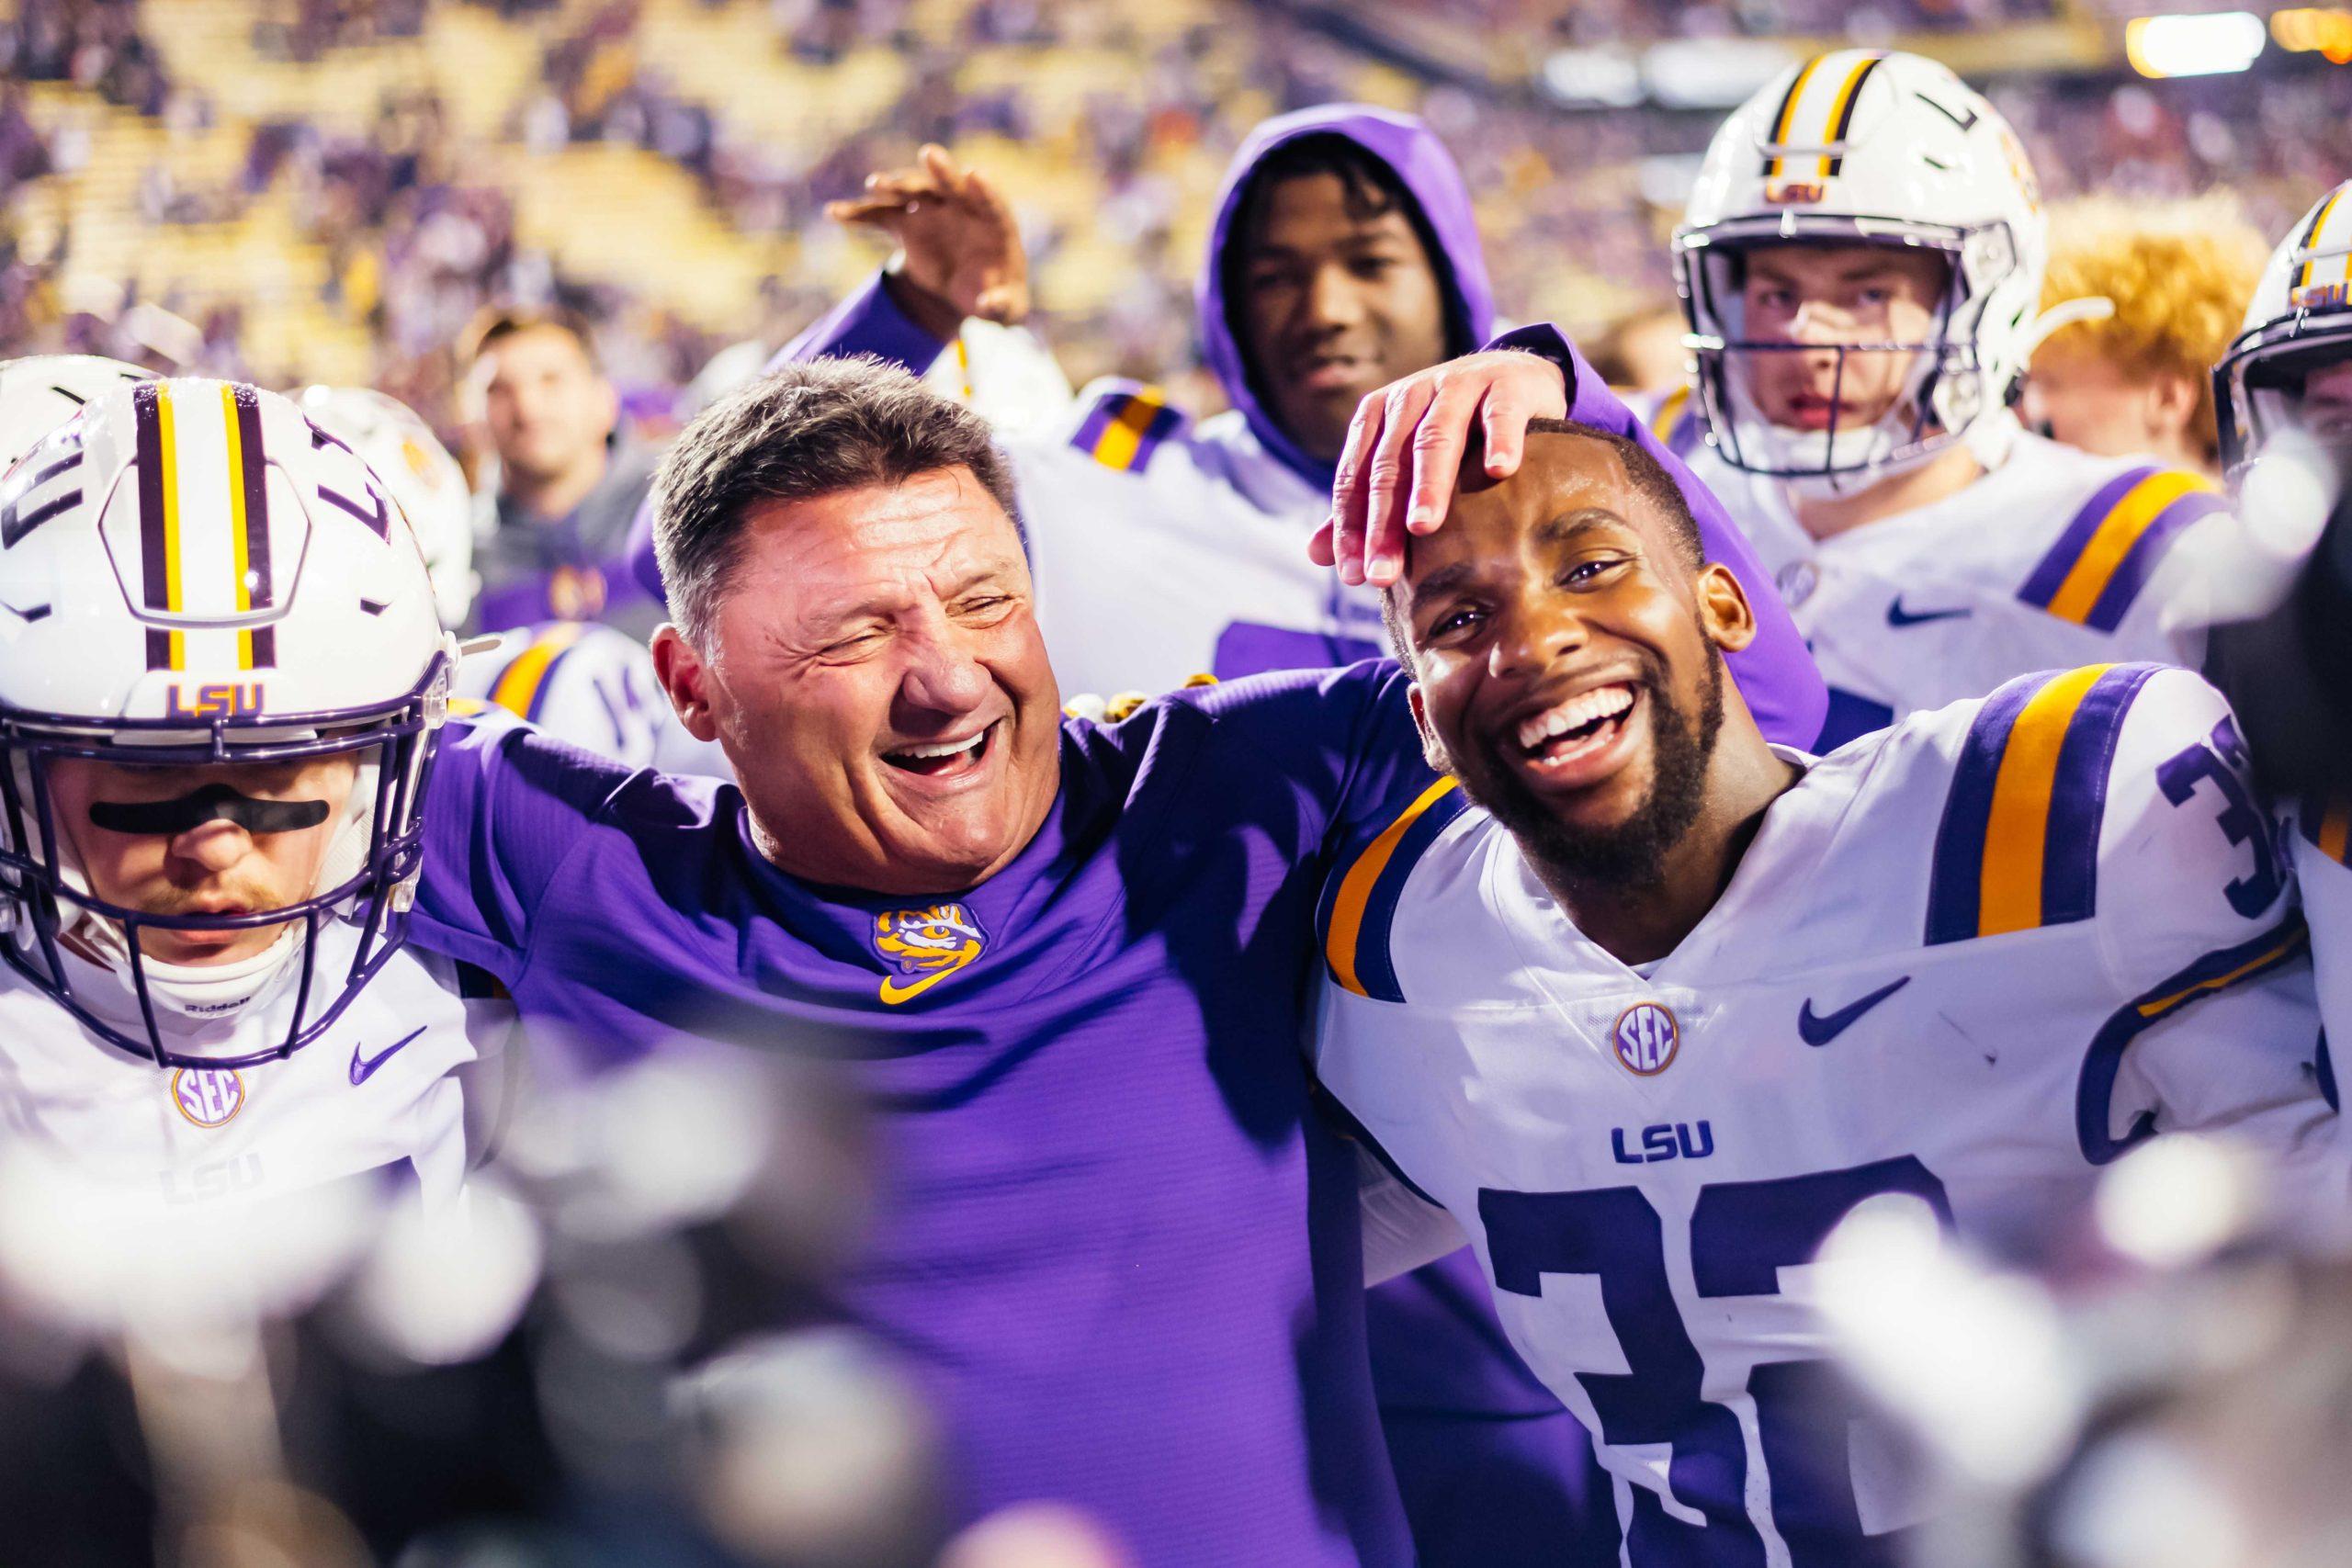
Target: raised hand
(959,249)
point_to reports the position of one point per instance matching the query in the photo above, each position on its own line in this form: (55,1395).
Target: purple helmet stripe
(153,562)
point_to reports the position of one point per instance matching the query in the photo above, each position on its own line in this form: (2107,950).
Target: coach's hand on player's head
(1405,451)
(959,247)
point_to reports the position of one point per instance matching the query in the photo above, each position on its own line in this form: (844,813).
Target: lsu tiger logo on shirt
(925,946)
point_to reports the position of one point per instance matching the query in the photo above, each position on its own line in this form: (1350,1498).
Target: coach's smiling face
(877,681)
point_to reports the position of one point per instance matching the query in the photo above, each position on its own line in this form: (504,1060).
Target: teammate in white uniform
(1861,262)
(1656,1005)
(581,683)
(218,708)
(2284,393)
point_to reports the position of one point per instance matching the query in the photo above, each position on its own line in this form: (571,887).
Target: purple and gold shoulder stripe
(1124,427)
(2325,823)
(2017,847)
(1360,906)
(1676,423)
(2095,570)
(522,687)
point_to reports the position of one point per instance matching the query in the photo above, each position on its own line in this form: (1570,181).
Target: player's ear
(686,680)
(1432,752)
(1723,609)
(2173,400)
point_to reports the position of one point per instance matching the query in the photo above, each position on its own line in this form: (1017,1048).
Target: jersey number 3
(1742,1235)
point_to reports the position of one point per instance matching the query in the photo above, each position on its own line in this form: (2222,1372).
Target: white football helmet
(1860,147)
(2300,321)
(192,572)
(41,392)
(424,481)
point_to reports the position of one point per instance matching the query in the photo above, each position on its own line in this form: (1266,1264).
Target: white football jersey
(376,1091)
(1962,964)
(1162,551)
(591,687)
(2049,560)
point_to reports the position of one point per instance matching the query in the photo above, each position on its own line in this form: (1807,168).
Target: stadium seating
(622,153)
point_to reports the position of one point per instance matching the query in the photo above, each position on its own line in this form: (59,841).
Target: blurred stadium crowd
(319,191)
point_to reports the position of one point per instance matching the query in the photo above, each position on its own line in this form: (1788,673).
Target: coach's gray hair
(802,432)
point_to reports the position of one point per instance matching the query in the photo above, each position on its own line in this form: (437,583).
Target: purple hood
(1426,170)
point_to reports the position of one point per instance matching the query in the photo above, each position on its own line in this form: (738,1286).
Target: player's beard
(1632,853)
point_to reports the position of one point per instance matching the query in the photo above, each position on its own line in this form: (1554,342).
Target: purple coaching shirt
(1112,1239)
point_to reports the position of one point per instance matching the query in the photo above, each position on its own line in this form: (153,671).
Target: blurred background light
(2210,45)
(2308,30)
(1711,73)
(1597,78)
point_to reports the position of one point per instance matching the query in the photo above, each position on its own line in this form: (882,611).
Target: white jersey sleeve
(1006,376)
(2198,933)
(591,687)
(1163,550)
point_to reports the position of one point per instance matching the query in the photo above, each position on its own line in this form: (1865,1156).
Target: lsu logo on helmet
(925,946)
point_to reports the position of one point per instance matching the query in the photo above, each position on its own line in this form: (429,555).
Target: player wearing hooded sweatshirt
(1344,256)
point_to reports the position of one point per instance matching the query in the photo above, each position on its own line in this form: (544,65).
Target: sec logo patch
(1646,1038)
(209,1096)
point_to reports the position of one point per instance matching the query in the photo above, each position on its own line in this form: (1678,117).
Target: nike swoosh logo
(1896,615)
(363,1067)
(894,993)
(1822,1029)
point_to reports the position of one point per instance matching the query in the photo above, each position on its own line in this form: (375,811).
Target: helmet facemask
(69,941)
(2260,385)
(1946,396)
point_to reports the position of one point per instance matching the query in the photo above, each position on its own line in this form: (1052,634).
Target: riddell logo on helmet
(1795,193)
(222,700)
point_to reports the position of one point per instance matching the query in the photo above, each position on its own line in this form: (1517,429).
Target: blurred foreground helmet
(425,482)
(41,393)
(2298,327)
(1863,148)
(192,572)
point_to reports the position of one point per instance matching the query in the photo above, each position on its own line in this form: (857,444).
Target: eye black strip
(214,802)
